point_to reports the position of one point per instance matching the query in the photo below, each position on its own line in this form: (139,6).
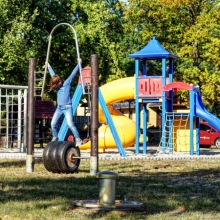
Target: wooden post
(94,116)
(31,116)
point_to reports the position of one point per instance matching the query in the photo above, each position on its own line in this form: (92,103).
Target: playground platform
(153,153)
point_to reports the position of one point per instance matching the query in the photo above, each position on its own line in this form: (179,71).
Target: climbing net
(171,131)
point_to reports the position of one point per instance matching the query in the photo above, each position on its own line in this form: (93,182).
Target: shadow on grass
(159,191)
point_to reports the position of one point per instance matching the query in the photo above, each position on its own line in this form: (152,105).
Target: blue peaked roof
(153,51)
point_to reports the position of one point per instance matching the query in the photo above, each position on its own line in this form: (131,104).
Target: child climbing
(64,104)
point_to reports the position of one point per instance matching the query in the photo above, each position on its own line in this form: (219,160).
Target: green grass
(168,189)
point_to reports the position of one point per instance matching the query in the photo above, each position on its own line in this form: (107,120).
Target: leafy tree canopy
(113,29)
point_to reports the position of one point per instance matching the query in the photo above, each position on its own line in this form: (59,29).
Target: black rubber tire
(52,157)
(46,152)
(64,160)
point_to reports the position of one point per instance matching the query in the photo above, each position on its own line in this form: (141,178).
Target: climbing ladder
(38,83)
(174,126)
(176,134)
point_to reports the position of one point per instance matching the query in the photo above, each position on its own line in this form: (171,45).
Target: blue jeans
(67,111)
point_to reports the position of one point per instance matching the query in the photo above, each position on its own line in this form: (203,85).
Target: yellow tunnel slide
(113,92)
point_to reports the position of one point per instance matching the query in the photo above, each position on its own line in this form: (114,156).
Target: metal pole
(24,147)
(7,118)
(77,51)
(19,121)
(31,116)
(94,116)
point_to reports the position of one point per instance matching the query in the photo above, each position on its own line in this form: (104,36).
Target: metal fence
(13,117)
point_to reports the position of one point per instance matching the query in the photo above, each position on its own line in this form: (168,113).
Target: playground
(112,130)
(172,179)
(179,127)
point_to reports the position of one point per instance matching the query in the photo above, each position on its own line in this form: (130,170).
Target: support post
(144,128)
(31,116)
(164,104)
(137,107)
(191,118)
(94,116)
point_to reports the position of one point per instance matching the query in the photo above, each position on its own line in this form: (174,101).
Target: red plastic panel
(156,86)
(144,86)
(150,86)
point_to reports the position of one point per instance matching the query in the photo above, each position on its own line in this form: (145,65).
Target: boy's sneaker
(54,139)
(79,142)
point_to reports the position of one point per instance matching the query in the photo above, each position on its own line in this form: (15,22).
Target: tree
(100,32)
(187,28)
(113,29)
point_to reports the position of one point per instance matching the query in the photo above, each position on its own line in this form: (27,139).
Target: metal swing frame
(77,50)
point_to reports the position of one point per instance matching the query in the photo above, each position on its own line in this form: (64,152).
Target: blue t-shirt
(63,93)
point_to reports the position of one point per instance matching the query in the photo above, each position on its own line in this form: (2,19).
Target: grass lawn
(169,189)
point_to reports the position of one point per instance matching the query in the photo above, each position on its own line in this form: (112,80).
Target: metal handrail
(77,50)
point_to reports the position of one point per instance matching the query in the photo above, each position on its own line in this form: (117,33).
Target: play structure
(180,127)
